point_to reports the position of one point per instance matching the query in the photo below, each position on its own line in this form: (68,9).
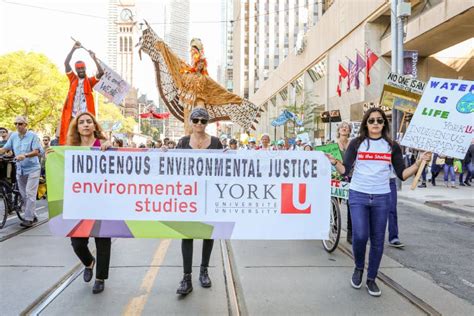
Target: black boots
(204,277)
(186,285)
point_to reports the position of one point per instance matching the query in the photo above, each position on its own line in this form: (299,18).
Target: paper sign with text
(112,86)
(196,194)
(443,122)
(402,92)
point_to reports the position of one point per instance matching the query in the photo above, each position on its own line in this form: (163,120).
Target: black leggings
(187,251)
(79,244)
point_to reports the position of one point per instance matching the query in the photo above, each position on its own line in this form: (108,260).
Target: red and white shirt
(373,162)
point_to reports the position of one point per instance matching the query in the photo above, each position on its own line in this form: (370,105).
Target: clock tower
(121,44)
(125,39)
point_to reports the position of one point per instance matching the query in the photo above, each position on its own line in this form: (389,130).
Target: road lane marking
(136,305)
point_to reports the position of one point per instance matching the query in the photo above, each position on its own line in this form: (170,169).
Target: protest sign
(340,189)
(304,137)
(443,121)
(188,194)
(402,92)
(111,85)
(332,149)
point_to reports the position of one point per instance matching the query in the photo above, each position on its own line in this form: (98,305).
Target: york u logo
(293,199)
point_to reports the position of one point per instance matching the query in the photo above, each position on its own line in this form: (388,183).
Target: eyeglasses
(196,121)
(378,120)
(18,124)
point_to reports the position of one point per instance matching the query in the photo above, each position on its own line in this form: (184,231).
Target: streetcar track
(234,295)
(23,230)
(398,288)
(234,291)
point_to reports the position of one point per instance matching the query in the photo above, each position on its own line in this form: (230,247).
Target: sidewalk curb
(455,210)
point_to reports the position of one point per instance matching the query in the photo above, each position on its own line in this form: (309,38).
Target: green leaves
(31,85)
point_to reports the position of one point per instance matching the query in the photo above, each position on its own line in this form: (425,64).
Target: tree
(31,85)
(109,114)
(147,128)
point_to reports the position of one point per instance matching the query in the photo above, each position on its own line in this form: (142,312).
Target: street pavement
(269,277)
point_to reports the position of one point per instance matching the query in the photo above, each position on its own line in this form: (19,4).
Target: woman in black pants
(85,131)
(198,139)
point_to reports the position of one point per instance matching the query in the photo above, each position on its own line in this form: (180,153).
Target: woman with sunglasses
(372,156)
(198,139)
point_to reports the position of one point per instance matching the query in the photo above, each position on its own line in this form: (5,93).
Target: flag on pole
(360,64)
(351,67)
(371,59)
(342,74)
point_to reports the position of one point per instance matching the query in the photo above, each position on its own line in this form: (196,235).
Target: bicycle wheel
(3,211)
(18,206)
(334,227)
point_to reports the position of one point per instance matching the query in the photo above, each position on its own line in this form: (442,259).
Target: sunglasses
(202,121)
(378,120)
(18,124)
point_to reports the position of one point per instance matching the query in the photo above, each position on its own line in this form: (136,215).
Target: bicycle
(339,191)
(334,226)
(11,200)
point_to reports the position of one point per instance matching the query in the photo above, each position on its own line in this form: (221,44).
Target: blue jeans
(467,167)
(369,214)
(392,213)
(449,171)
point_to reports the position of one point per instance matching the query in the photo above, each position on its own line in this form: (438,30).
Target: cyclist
(26,147)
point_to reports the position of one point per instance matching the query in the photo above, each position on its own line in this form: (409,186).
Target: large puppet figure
(183,87)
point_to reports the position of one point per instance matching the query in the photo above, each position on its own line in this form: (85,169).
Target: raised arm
(100,71)
(69,56)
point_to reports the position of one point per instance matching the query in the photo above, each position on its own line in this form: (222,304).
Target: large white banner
(262,194)
(443,121)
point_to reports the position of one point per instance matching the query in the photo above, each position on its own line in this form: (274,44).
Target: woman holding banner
(371,156)
(85,131)
(198,139)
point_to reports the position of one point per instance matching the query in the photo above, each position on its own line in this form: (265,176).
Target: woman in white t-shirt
(372,156)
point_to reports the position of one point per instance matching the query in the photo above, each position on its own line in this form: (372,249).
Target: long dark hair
(364,131)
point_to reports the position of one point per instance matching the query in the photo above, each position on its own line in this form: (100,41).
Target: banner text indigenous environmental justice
(191,166)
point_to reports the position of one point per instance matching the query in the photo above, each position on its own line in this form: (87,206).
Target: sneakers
(356,280)
(372,288)
(396,244)
(461,184)
(422,185)
(26,224)
(467,183)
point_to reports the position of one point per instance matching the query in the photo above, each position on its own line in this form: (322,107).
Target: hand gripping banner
(188,194)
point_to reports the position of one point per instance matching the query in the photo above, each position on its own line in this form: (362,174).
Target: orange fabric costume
(66,116)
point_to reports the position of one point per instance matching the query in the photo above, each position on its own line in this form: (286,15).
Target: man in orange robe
(79,98)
